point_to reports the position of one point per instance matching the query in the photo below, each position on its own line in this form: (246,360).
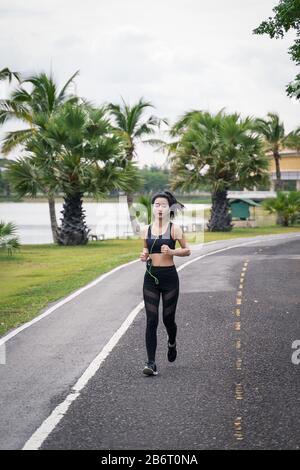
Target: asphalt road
(233,384)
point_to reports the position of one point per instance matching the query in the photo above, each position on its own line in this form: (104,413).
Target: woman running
(161,275)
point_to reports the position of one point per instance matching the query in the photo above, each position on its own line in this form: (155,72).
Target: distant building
(289,168)
(290,175)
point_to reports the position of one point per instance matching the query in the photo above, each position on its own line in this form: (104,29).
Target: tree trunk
(7,189)
(129,195)
(285,222)
(134,224)
(73,230)
(53,222)
(220,219)
(278,182)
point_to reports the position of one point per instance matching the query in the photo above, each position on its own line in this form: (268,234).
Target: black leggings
(169,288)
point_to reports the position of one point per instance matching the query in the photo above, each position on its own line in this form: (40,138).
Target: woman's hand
(166,250)
(144,255)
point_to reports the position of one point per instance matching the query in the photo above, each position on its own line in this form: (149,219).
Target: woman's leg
(151,299)
(170,298)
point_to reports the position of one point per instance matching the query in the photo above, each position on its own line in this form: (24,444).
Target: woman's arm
(185,248)
(144,235)
(144,255)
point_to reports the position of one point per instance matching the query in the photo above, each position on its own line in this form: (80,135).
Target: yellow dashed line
(238,430)
(239,392)
(238,423)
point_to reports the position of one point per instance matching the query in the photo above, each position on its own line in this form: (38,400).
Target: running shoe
(150,369)
(172,352)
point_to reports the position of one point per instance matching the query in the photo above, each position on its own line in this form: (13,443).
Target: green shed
(240,208)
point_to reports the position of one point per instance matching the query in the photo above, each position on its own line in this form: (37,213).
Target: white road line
(40,435)
(50,310)
(36,440)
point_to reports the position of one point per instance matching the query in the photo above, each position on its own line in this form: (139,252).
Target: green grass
(249,232)
(40,274)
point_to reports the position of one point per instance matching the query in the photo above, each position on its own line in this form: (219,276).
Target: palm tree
(285,205)
(132,128)
(275,138)
(87,157)
(35,108)
(221,150)
(7,239)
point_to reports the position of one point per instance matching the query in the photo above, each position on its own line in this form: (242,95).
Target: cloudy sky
(180,55)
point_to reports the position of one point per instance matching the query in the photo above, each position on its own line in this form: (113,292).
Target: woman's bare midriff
(160,259)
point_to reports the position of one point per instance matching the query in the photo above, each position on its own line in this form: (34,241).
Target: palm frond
(11,110)
(14,138)
(25,177)
(62,93)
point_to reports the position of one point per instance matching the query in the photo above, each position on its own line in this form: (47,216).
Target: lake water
(107,219)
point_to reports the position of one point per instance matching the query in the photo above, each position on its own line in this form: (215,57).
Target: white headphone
(154,277)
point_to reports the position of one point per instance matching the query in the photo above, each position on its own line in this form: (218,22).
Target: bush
(286,205)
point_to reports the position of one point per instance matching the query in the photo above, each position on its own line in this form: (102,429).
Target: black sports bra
(160,240)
